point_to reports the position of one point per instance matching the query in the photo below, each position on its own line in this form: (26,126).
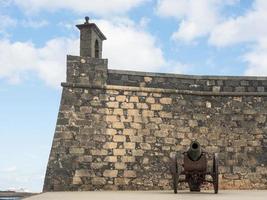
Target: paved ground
(153,195)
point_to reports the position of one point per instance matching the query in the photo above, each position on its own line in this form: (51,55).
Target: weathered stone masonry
(118,129)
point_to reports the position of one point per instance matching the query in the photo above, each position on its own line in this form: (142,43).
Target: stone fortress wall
(117,130)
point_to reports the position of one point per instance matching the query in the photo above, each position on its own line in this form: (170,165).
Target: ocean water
(10,198)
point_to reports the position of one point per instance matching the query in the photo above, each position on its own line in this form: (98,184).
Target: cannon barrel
(194,152)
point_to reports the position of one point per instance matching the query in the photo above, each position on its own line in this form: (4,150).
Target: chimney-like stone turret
(91,39)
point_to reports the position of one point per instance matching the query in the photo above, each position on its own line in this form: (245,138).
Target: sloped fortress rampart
(116,130)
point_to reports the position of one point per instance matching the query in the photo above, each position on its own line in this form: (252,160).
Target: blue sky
(212,37)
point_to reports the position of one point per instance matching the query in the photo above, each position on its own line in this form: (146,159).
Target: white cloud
(18,59)
(99,7)
(197,18)
(128,47)
(9,169)
(247,28)
(257,59)
(34,23)
(6,22)
(205,18)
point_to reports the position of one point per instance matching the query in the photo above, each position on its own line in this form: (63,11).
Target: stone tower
(91,39)
(116,130)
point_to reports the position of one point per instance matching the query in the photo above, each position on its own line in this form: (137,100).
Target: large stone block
(110,173)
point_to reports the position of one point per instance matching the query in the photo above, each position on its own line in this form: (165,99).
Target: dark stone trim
(160,90)
(182,76)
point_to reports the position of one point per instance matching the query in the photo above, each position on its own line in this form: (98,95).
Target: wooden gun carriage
(195,169)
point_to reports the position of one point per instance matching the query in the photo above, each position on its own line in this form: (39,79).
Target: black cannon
(195,169)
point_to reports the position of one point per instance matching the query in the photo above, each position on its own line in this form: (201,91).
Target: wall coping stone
(183,76)
(161,90)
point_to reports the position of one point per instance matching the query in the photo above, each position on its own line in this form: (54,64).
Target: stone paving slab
(153,195)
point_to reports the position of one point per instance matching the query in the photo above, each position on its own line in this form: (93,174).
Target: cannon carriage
(195,169)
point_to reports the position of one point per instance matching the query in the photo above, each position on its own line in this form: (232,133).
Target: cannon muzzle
(194,152)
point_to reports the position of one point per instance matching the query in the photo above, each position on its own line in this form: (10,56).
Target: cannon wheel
(215,171)
(175,174)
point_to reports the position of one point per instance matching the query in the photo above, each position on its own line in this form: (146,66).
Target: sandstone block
(165,100)
(137,152)
(150,100)
(112,118)
(134,99)
(118,111)
(129,145)
(129,131)
(254,143)
(208,104)
(119,138)
(142,106)
(81,173)
(136,125)
(192,123)
(120,165)
(129,173)
(139,119)
(86,109)
(249,111)
(112,92)
(133,112)
(156,107)
(121,98)
(170,140)
(156,120)
(183,129)
(142,94)
(112,104)
(98,181)
(165,114)
(111,132)
(122,181)
(76,150)
(136,138)
(148,113)
(152,126)
(125,105)
(126,159)
(148,79)
(261,170)
(261,119)
(203,130)
(161,133)
(110,173)
(110,145)
(166,148)
(145,161)
(96,165)
(118,125)
(143,132)
(185,142)
(216,89)
(145,146)
(98,152)
(64,135)
(76,180)
(164,182)
(231,176)
(111,159)
(156,94)
(119,152)
(150,139)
